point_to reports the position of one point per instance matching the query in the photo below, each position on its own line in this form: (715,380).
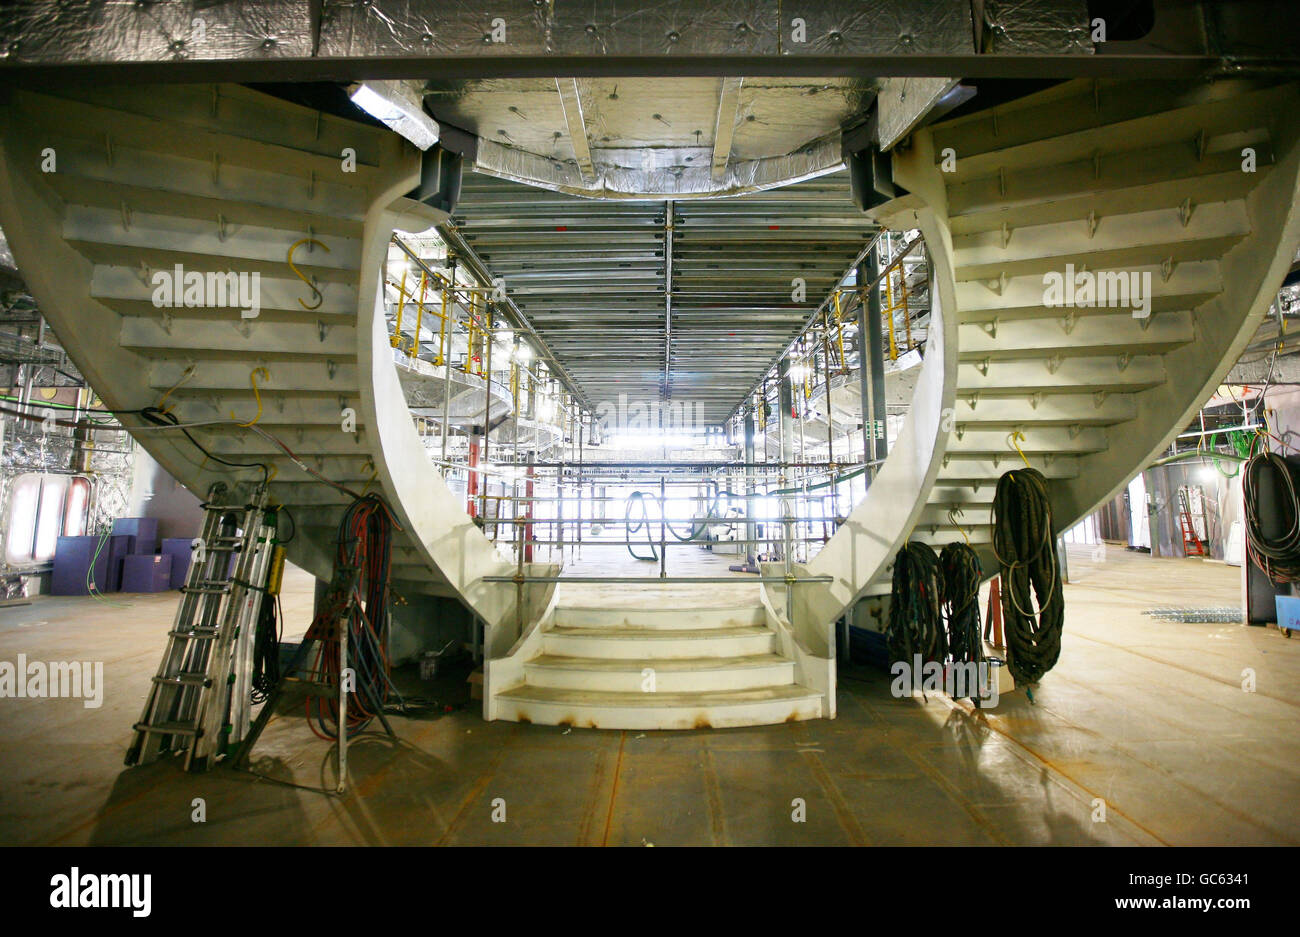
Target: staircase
(650,665)
(1103,175)
(219,178)
(1106,176)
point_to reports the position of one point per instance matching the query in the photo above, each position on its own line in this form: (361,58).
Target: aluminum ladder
(199,702)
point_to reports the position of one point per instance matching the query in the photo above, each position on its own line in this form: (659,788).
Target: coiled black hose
(266,650)
(1277,555)
(1025,545)
(960,566)
(915,622)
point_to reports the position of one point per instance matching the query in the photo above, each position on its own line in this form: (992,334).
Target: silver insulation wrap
(102,31)
(1037,27)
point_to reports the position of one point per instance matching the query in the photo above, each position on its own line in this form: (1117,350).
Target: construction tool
(199,701)
(1192,545)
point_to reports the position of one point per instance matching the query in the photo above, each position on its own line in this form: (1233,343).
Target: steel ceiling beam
(572,104)
(725,127)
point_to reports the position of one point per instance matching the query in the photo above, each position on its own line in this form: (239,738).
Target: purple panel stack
(148,573)
(178,548)
(72,556)
(142,530)
(117,549)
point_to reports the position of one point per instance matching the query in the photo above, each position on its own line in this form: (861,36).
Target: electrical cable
(1277,555)
(168,421)
(266,649)
(960,566)
(356,605)
(637,498)
(1025,546)
(915,624)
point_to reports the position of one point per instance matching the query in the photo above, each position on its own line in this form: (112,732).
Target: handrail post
(663,513)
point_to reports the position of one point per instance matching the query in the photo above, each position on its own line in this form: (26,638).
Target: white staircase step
(1074,180)
(645,711)
(1115,121)
(237,245)
(1042,375)
(111,194)
(204,176)
(987,470)
(1036,441)
(1078,335)
(1107,242)
(1231,185)
(285,377)
(1189,284)
(659,644)
(939,536)
(226,340)
(114,253)
(692,674)
(655,617)
(126,290)
(200,140)
(243,113)
(974,409)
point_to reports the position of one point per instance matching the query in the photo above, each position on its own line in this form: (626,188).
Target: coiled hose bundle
(1277,554)
(960,567)
(1025,546)
(915,621)
(357,600)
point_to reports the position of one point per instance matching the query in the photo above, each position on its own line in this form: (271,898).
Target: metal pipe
(446,367)
(750,484)
(487,403)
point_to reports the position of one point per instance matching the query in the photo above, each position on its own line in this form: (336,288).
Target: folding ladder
(199,702)
(1192,545)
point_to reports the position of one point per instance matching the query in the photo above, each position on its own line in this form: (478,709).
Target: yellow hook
(189,373)
(320,298)
(252,379)
(1017,435)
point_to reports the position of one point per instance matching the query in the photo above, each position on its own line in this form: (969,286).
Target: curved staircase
(1099,177)
(216,179)
(1104,175)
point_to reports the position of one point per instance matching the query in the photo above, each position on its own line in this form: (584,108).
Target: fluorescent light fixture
(397,105)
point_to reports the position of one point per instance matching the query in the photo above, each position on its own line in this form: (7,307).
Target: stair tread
(682,664)
(659,608)
(539,694)
(622,632)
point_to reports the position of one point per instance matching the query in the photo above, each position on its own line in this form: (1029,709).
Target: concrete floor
(1148,715)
